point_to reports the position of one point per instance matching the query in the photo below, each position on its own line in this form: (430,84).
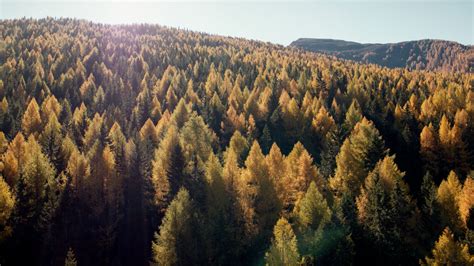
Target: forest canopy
(143,144)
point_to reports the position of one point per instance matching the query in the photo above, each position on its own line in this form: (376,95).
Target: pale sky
(275,21)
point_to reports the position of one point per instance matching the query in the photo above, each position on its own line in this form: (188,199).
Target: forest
(149,145)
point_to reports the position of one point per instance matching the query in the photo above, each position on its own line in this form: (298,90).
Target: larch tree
(293,120)
(70,258)
(444,136)
(429,149)
(88,89)
(50,105)
(447,198)
(173,244)
(257,196)
(231,174)
(7,202)
(94,133)
(358,155)
(156,110)
(37,191)
(13,160)
(299,173)
(143,108)
(312,211)
(117,142)
(331,144)
(385,209)
(284,247)
(197,140)
(51,140)
(78,170)
(79,124)
(147,143)
(276,169)
(31,122)
(219,226)
(240,146)
(453,148)
(112,200)
(180,114)
(428,201)
(447,251)
(466,201)
(323,122)
(312,216)
(353,116)
(214,112)
(231,170)
(3,143)
(167,173)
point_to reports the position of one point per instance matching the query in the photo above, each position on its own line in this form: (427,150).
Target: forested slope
(433,55)
(125,145)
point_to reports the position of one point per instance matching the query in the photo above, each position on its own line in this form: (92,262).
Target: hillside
(132,144)
(434,55)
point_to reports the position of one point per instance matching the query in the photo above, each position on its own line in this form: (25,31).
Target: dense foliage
(130,145)
(426,54)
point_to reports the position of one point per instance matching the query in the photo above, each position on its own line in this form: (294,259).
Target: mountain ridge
(425,54)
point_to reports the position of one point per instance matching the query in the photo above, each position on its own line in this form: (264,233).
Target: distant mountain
(435,55)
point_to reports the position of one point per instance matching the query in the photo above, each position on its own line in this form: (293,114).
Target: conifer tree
(167,169)
(31,122)
(70,258)
(117,142)
(231,174)
(37,171)
(323,122)
(51,140)
(7,202)
(312,211)
(385,210)
(331,144)
(312,216)
(219,226)
(143,109)
(78,169)
(358,155)
(214,112)
(3,143)
(448,251)
(13,160)
(146,146)
(429,149)
(353,116)
(466,201)
(80,122)
(180,114)
(284,247)
(197,140)
(266,139)
(173,244)
(38,195)
(257,196)
(428,192)
(231,170)
(299,173)
(448,200)
(276,169)
(94,133)
(50,105)
(240,146)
